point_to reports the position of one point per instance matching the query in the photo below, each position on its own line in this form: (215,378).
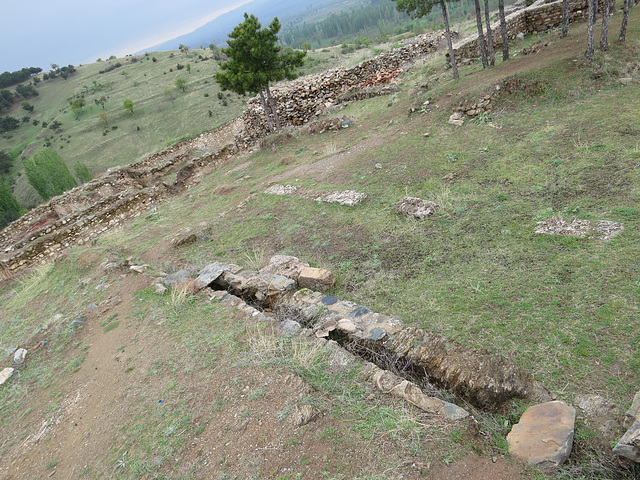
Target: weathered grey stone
(376,334)
(456,118)
(360,311)
(416,207)
(6,374)
(76,322)
(176,278)
(160,289)
(390,383)
(139,268)
(316,278)
(633,414)
(289,326)
(544,435)
(329,300)
(285,265)
(629,444)
(19,356)
(209,274)
(600,414)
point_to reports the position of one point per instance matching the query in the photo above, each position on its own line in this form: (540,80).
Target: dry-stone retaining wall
(302,99)
(538,17)
(105,203)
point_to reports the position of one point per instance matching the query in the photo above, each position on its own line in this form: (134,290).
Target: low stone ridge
(416,207)
(339,358)
(629,444)
(176,278)
(601,230)
(348,198)
(544,435)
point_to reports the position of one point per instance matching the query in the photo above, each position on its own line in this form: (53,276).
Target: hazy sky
(40,32)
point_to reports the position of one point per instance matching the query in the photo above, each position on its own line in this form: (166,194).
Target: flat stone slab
(349,198)
(544,435)
(601,230)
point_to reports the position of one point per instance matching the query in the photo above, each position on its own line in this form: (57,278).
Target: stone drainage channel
(378,341)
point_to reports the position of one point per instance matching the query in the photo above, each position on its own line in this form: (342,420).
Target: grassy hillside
(564,141)
(162,113)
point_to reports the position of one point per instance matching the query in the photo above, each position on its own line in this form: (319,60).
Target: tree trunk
(503,31)
(273,109)
(590,23)
(452,57)
(481,42)
(492,52)
(565,18)
(604,40)
(266,112)
(625,18)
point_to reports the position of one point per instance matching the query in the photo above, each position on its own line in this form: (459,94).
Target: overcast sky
(37,33)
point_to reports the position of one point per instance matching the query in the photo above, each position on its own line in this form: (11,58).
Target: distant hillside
(216,31)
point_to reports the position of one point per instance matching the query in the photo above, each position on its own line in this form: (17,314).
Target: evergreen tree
(48,174)
(255,61)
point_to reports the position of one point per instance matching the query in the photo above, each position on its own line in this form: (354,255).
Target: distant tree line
(8,79)
(56,71)
(378,14)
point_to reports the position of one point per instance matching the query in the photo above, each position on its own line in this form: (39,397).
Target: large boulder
(544,435)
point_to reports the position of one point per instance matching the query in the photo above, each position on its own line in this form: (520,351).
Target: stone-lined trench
(396,357)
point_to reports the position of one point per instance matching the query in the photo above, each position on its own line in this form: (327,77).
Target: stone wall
(80,215)
(301,100)
(539,17)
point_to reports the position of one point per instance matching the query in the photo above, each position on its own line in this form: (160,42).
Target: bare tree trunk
(273,109)
(481,41)
(591,21)
(604,40)
(492,52)
(565,18)
(452,57)
(503,31)
(266,112)
(625,18)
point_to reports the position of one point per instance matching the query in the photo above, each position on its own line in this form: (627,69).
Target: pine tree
(255,60)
